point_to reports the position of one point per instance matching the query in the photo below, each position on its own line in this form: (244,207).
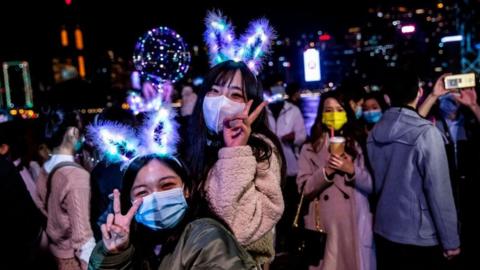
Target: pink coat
(245,193)
(348,222)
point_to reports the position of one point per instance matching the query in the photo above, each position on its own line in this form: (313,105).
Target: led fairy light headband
(120,143)
(251,48)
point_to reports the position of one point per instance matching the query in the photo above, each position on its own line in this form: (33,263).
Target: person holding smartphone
(415,215)
(456,113)
(466,97)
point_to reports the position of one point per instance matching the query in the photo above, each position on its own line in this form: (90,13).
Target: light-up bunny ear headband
(250,48)
(120,143)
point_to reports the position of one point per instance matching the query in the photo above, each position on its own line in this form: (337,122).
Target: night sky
(30,29)
(117,24)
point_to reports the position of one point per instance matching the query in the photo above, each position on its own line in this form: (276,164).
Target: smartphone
(460,81)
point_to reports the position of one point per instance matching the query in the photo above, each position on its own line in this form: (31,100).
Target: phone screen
(451,83)
(460,81)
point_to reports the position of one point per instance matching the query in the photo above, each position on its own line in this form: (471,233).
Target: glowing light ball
(161,55)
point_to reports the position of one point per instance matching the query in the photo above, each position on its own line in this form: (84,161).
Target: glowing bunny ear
(159,133)
(116,143)
(220,38)
(251,47)
(255,44)
(137,104)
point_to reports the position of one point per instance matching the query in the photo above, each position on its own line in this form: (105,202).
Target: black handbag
(308,246)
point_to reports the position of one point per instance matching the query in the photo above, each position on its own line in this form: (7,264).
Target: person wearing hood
(415,217)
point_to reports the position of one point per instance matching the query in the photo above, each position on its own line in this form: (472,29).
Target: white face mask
(216,109)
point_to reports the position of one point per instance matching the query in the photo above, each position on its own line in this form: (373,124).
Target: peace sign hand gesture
(237,129)
(116,232)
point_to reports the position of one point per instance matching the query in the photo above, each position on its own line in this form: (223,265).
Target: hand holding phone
(460,81)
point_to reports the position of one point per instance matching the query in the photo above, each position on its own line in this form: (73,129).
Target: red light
(68,2)
(325,37)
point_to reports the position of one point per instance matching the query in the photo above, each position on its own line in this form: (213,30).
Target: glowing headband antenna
(220,38)
(115,142)
(251,48)
(119,143)
(159,133)
(256,43)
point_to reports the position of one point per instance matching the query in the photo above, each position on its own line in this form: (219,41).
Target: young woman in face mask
(336,187)
(235,158)
(64,194)
(154,227)
(373,108)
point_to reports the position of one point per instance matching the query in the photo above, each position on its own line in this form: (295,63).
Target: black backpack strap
(50,176)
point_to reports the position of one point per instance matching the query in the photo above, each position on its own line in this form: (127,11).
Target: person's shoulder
(76,173)
(73,168)
(412,118)
(291,107)
(204,231)
(207,228)
(217,245)
(430,132)
(307,147)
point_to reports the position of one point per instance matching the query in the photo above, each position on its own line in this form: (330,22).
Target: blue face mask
(358,112)
(448,106)
(373,116)
(162,210)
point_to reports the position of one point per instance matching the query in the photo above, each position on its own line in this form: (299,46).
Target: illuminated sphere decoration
(161,55)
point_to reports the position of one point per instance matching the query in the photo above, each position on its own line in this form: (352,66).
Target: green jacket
(204,244)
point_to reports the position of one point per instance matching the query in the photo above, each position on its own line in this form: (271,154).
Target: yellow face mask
(334,120)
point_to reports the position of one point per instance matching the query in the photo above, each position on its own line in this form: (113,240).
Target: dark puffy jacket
(204,244)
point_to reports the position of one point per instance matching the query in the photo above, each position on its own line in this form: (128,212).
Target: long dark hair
(347,131)
(200,155)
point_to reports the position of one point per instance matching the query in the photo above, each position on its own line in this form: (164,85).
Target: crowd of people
(395,193)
